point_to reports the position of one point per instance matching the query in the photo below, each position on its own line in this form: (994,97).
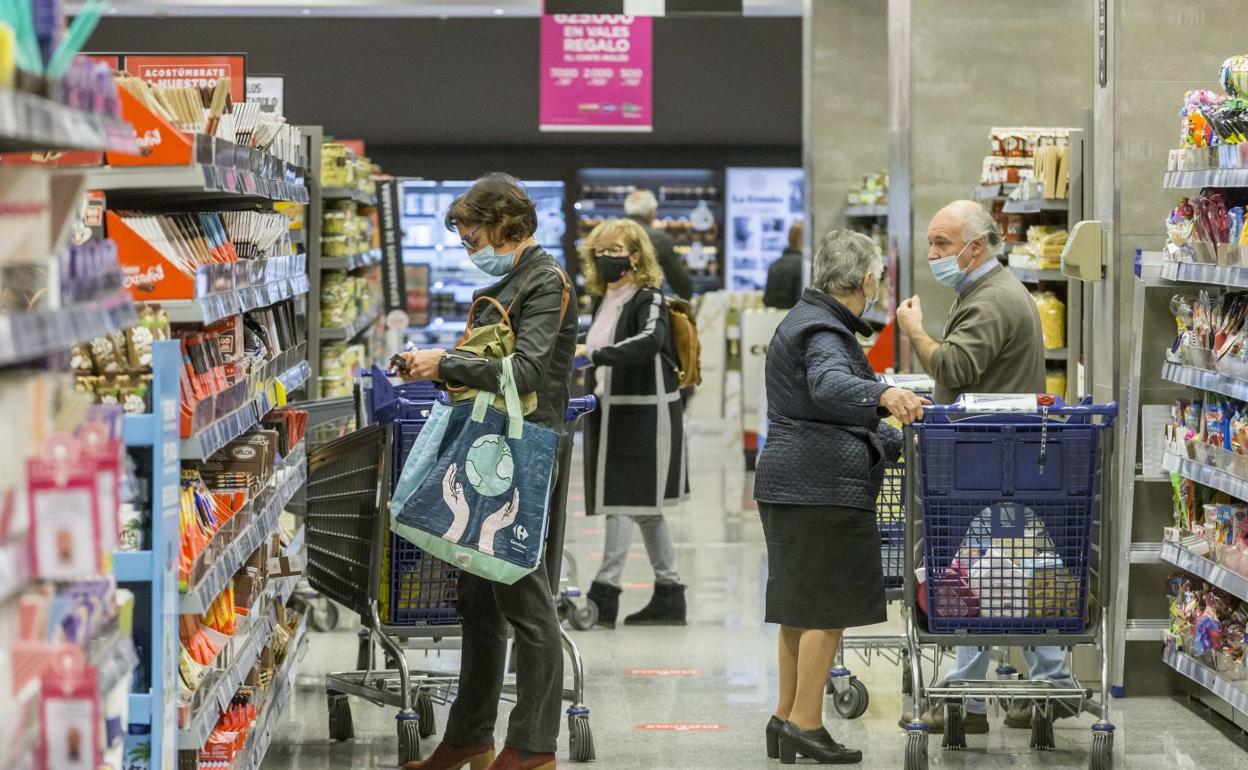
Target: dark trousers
(487,607)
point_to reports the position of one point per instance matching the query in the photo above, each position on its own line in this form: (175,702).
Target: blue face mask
(495,264)
(946,269)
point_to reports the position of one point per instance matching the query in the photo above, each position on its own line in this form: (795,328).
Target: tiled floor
(721,676)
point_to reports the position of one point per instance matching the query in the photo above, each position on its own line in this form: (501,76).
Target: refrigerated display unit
(691,211)
(440,277)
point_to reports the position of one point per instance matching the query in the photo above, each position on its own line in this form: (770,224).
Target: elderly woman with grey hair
(817,484)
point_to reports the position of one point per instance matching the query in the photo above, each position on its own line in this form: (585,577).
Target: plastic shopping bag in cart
(424,454)
(483,505)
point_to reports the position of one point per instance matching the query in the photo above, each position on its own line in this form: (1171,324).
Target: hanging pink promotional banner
(596,73)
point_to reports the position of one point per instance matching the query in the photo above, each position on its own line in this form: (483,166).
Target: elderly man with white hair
(642,207)
(992,344)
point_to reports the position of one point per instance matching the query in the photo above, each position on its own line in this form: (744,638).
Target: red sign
(663,672)
(354,145)
(596,72)
(187,71)
(682,727)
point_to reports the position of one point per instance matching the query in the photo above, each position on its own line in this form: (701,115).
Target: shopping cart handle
(977,404)
(580,406)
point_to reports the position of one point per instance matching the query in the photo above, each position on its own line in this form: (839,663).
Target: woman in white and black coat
(634,443)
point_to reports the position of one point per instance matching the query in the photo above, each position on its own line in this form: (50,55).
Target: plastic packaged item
(1052,319)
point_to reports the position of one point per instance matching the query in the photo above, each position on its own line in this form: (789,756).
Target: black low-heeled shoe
(774,726)
(814,744)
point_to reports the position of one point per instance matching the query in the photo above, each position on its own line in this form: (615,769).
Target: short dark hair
(498,202)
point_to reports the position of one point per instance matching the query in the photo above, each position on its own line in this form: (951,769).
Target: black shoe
(816,745)
(666,607)
(606,598)
(774,726)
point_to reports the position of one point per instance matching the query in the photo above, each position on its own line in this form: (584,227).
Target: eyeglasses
(468,241)
(613,251)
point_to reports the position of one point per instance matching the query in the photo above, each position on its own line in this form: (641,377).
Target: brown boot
(512,759)
(448,757)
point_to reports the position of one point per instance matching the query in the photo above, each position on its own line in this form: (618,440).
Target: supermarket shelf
(1055,355)
(195,179)
(865,212)
(1212,177)
(1207,475)
(1146,630)
(33,123)
(987,192)
(140,710)
(353,262)
(132,566)
(354,328)
(115,658)
(348,194)
(590,204)
(1231,582)
(1195,377)
(225,429)
(1199,272)
(27,336)
(1207,678)
(214,307)
(1035,206)
(1146,553)
(1036,275)
(265,508)
(261,734)
(215,693)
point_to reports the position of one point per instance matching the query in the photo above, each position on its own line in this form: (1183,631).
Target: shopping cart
(1006,499)
(404,597)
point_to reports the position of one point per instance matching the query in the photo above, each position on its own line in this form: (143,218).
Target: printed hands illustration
(503,517)
(453,494)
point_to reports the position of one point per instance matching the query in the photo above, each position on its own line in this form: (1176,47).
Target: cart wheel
(1101,755)
(955,730)
(916,750)
(581,739)
(851,702)
(323,616)
(409,737)
(340,725)
(584,618)
(1042,728)
(428,719)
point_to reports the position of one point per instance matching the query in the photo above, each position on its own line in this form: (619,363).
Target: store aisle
(716,677)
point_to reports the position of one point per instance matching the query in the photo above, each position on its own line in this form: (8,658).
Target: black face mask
(612,269)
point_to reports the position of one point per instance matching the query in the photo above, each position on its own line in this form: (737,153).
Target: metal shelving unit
(1033,275)
(866,212)
(1234,696)
(1206,569)
(355,328)
(34,123)
(1212,177)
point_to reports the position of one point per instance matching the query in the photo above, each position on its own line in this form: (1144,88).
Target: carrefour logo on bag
(522,534)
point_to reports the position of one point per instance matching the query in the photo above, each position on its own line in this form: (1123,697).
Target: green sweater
(993,342)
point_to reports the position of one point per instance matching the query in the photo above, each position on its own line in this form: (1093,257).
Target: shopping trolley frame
(397,685)
(954,694)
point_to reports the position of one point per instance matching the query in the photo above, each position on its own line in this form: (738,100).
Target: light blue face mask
(495,264)
(946,269)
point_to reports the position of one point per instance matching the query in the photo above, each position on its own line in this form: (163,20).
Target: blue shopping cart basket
(1008,502)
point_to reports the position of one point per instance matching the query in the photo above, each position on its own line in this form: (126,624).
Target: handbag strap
(507,387)
(564,294)
(504,312)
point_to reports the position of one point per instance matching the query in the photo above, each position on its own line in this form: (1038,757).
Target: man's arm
(910,319)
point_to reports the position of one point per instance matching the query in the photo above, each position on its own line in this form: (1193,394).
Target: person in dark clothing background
(641,206)
(784,278)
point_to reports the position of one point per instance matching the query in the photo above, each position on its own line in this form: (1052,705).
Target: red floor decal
(681,727)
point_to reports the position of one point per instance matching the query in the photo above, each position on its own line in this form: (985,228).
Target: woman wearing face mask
(496,220)
(634,443)
(817,483)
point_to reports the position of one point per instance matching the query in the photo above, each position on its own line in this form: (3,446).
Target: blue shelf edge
(132,566)
(139,429)
(140,708)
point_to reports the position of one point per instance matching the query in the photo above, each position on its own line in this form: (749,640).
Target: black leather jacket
(544,346)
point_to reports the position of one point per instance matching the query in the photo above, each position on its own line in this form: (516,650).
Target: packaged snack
(1214,418)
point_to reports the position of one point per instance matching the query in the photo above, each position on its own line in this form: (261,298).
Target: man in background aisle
(993,344)
(641,206)
(784,277)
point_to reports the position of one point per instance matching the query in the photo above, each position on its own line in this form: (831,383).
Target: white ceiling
(377,8)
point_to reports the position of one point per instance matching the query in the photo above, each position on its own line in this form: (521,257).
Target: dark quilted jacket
(825,444)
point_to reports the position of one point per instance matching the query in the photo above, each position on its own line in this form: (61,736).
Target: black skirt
(823,566)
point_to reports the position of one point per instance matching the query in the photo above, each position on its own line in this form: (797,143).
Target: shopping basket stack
(1007,501)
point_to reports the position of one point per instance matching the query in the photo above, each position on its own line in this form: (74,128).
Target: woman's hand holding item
(903,404)
(421,364)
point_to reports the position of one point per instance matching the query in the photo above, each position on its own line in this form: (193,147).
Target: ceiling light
(307,11)
(499,12)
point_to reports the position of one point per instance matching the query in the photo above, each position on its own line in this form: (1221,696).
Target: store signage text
(596,73)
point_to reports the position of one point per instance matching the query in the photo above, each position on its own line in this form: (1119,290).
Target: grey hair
(641,203)
(843,261)
(978,223)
